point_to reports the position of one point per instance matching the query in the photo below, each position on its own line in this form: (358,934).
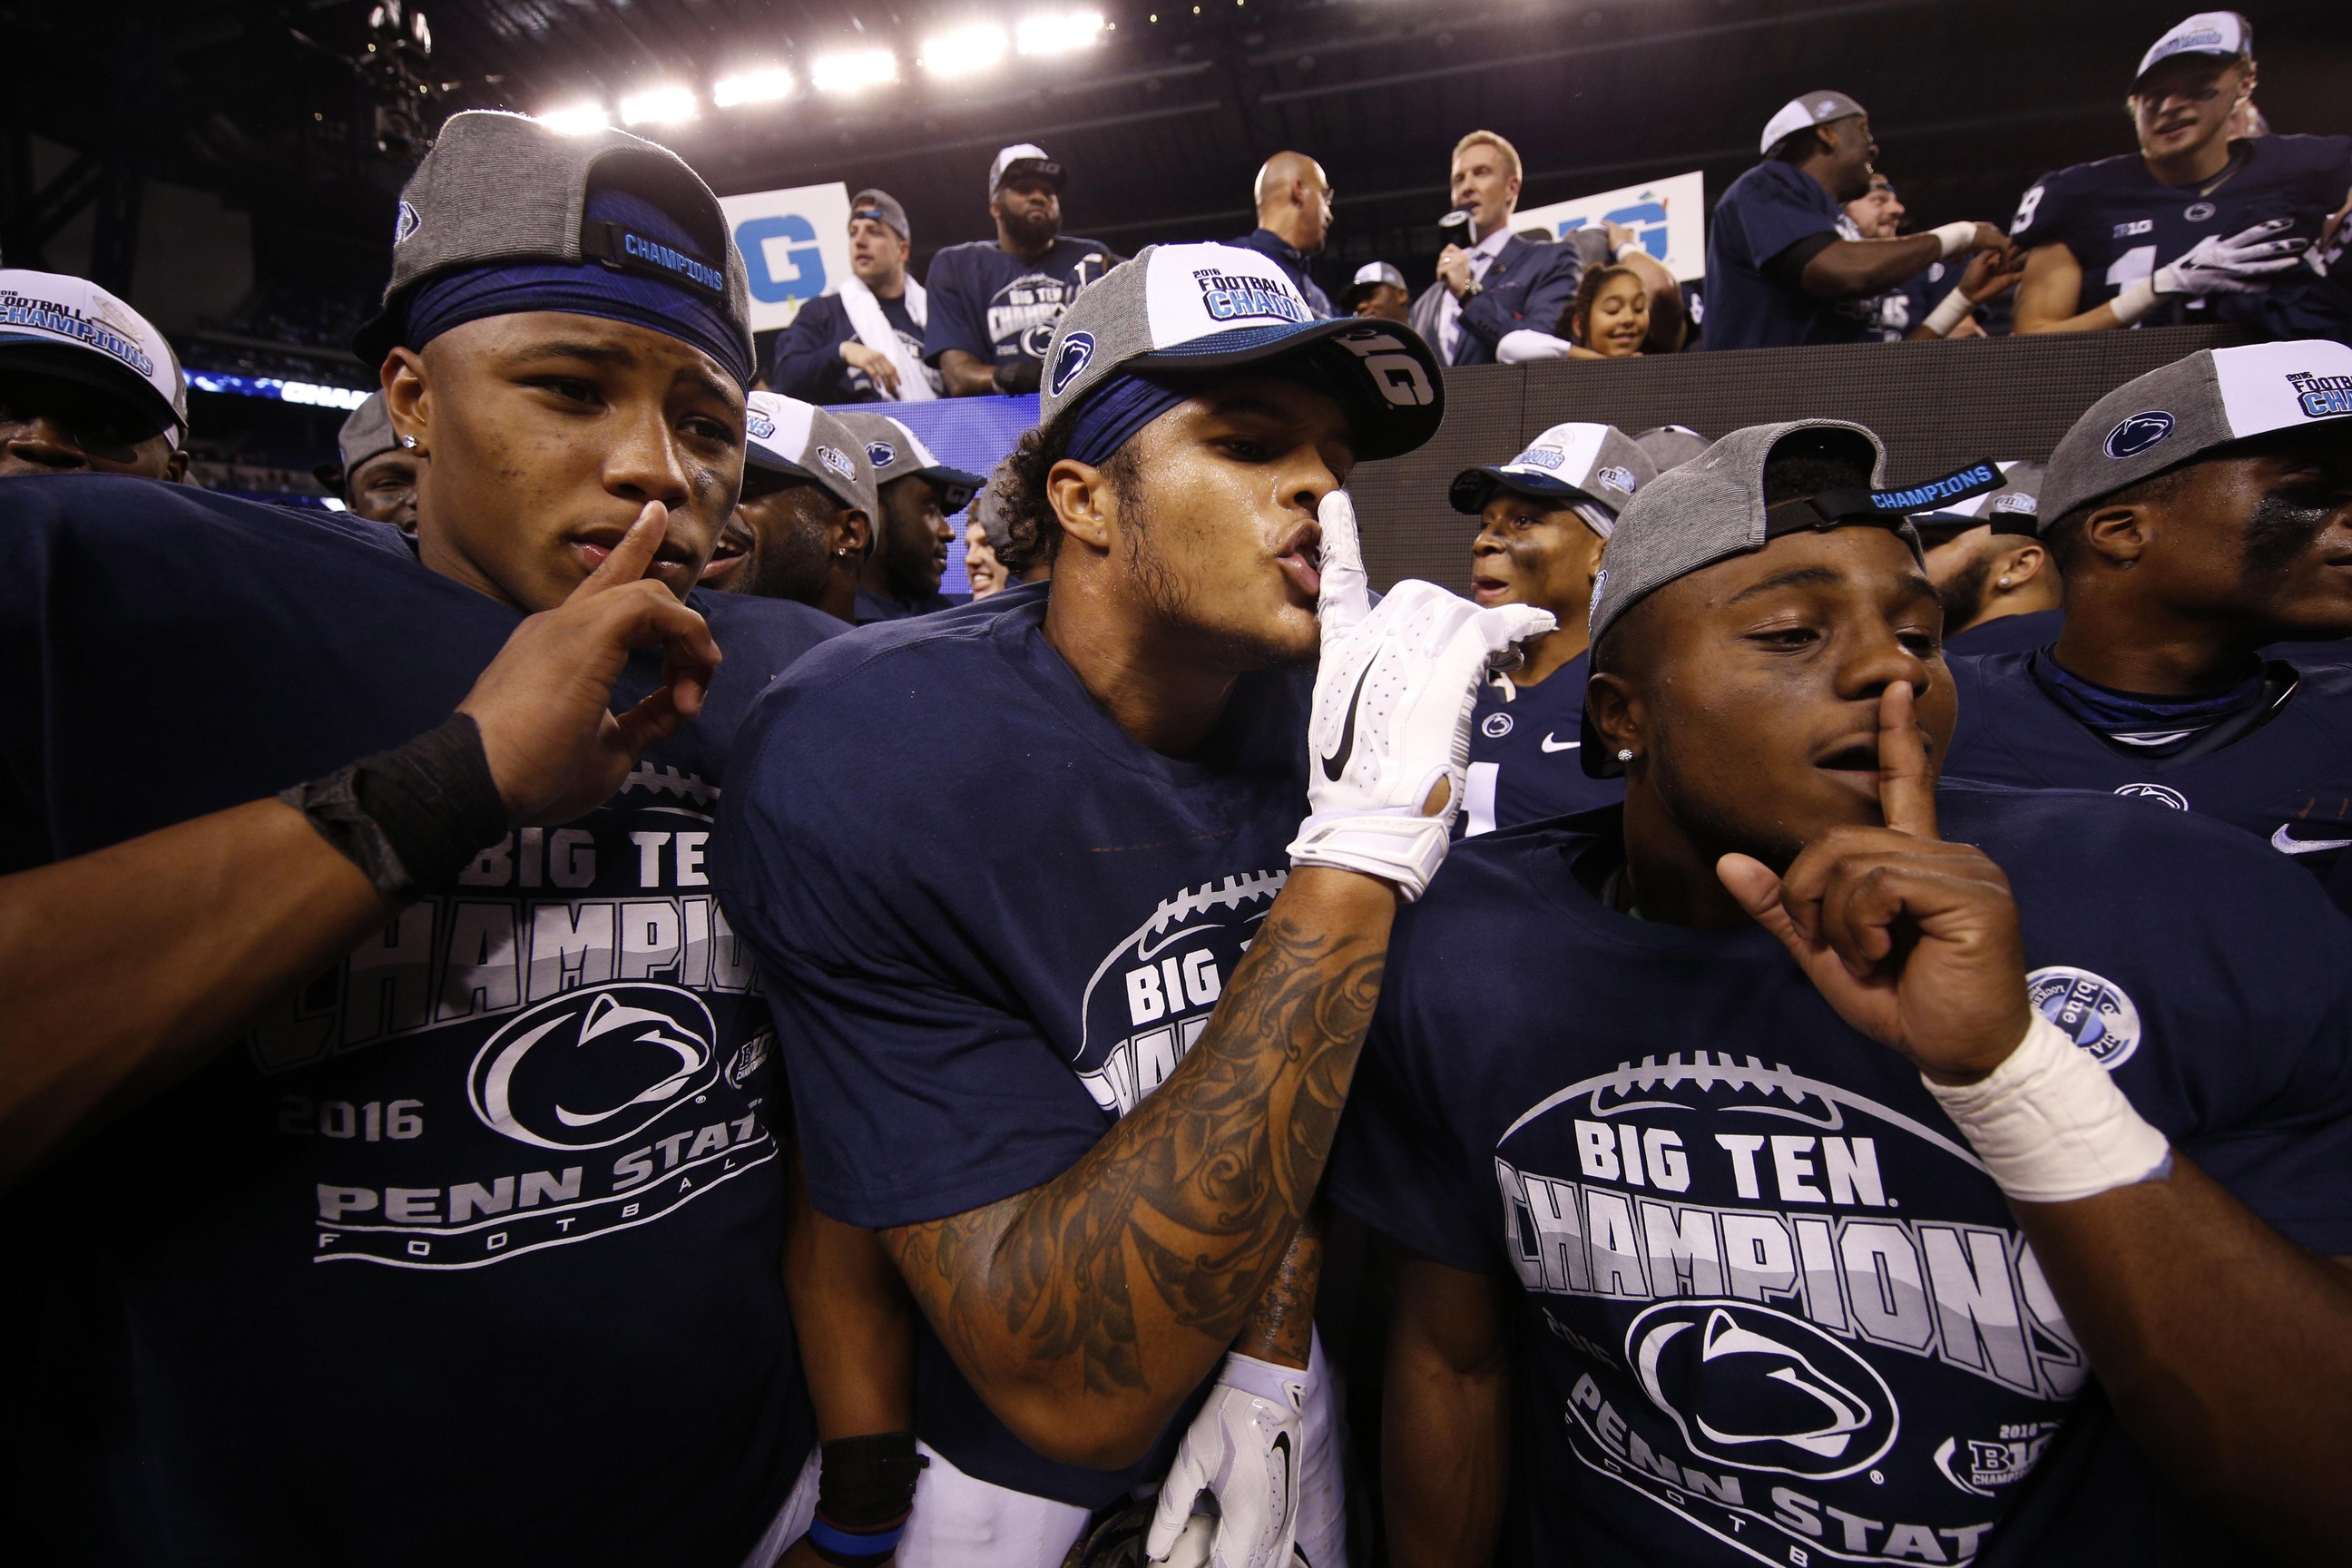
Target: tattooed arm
(1084,1311)
(1281,1326)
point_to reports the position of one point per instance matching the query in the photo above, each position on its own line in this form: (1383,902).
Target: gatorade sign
(1668,216)
(795,247)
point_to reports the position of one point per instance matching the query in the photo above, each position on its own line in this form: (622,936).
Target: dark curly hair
(1034,533)
(1587,290)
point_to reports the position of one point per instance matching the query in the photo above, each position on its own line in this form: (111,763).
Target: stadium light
(576,120)
(853,69)
(1059,32)
(658,106)
(764,86)
(965,51)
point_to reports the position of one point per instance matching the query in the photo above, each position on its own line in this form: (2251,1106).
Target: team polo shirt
(467,1251)
(1525,754)
(1759,216)
(1771,1308)
(2288,783)
(999,307)
(992,936)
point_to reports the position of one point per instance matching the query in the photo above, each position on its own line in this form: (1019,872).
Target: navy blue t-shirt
(2288,782)
(1763,212)
(2006,634)
(998,308)
(2122,224)
(1774,1308)
(989,938)
(1295,264)
(808,364)
(1524,751)
(468,1252)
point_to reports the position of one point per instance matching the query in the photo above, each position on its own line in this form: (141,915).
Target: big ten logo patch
(1150,999)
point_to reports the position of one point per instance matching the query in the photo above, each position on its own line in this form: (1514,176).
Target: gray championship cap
(1595,468)
(2223,35)
(895,452)
(1203,310)
(883,208)
(506,187)
(1671,446)
(802,441)
(2181,410)
(2013,509)
(1371,276)
(1804,111)
(58,325)
(1023,158)
(366,434)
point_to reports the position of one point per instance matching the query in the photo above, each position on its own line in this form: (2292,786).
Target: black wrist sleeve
(413,817)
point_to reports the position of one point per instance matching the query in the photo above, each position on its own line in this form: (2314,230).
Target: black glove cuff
(867,1481)
(414,817)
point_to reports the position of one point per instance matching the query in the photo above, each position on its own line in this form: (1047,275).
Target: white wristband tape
(1405,847)
(1948,312)
(1955,238)
(1624,249)
(1276,1384)
(2133,302)
(2050,1124)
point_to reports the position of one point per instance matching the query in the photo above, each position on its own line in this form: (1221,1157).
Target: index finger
(1344,595)
(1906,784)
(629,558)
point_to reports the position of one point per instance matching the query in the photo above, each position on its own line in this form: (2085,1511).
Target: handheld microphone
(1458,218)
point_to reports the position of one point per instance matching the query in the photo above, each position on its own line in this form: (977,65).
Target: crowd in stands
(580,1010)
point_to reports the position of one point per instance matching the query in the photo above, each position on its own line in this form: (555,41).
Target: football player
(2001,590)
(1072,1038)
(1839,1159)
(805,525)
(86,384)
(374,474)
(2195,226)
(994,302)
(1543,517)
(2196,514)
(499,1186)
(917,495)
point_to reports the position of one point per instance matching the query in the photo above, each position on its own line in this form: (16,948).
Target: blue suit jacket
(1529,285)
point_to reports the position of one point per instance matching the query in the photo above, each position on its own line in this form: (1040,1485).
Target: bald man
(1293,218)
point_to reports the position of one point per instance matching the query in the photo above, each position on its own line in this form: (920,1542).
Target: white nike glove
(2241,264)
(1244,1448)
(1391,722)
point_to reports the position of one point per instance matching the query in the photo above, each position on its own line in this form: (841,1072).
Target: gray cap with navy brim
(897,453)
(1206,308)
(1806,110)
(1671,446)
(2180,412)
(803,441)
(1597,464)
(506,187)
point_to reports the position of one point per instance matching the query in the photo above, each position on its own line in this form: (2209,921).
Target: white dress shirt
(1449,310)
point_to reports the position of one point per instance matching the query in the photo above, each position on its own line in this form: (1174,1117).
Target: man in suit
(1501,282)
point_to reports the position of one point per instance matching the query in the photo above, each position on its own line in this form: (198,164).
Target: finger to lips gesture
(1915,941)
(544,705)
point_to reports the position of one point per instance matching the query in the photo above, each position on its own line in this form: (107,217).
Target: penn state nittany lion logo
(404,223)
(592,1068)
(1761,1390)
(881,454)
(2094,1011)
(1494,726)
(2138,433)
(2162,795)
(1076,349)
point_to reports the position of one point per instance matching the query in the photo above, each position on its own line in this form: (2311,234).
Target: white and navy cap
(1371,276)
(1023,158)
(802,441)
(2014,507)
(1595,468)
(1807,110)
(895,452)
(1201,310)
(2181,410)
(69,328)
(2224,35)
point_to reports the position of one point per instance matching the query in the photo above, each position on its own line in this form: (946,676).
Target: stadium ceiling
(1162,122)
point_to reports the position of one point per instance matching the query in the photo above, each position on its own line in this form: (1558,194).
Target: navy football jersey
(1773,1309)
(2288,783)
(989,938)
(2122,225)
(999,307)
(493,1200)
(1524,754)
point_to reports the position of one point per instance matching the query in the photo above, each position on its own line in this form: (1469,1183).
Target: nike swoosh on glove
(1244,1449)
(1391,719)
(2241,264)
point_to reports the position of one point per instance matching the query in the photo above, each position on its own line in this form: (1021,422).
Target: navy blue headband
(1123,405)
(685,307)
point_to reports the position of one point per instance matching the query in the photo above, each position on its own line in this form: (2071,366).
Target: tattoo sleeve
(1281,1326)
(1124,1278)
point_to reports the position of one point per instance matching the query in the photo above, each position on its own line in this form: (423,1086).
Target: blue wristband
(851,1550)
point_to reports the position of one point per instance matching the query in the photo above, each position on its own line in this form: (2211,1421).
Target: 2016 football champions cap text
(2181,410)
(69,328)
(2223,34)
(1810,109)
(1198,310)
(506,188)
(895,452)
(1596,464)
(802,441)
(1023,158)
